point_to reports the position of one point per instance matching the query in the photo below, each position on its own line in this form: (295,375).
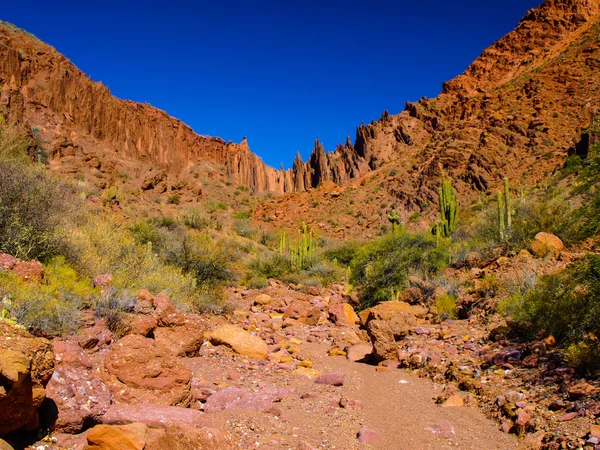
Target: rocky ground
(295,367)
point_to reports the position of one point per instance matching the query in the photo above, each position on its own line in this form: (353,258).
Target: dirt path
(398,406)
(401,409)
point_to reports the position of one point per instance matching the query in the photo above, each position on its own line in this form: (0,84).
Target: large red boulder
(79,396)
(140,363)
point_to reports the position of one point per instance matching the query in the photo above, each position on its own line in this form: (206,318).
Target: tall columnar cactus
(507,205)
(504,211)
(448,207)
(282,243)
(394,218)
(501,223)
(302,251)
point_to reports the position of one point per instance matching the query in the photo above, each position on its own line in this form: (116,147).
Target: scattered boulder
(80,398)
(155,416)
(140,363)
(359,352)
(26,365)
(141,324)
(387,310)
(367,436)
(240,341)
(181,341)
(29,270)
(382,337)
(237,398)
(331,378)
(117,437)
(166,314)
(187,438)
(453,401)
(342,314)
(263,300)
(545,244)
(297,310)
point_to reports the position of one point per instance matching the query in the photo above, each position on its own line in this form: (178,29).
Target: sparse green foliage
(446,306)
(380,269)
(566,305)
(34,208)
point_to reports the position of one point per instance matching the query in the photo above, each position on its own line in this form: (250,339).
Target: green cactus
(504,211)
(282,243)
(448,208)
(302,251)
(507,204)
(394,218)
(501,223)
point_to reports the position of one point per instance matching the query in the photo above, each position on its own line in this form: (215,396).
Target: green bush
(271,265)
(446,306)
(380,269)
(342,253)
(34,211)
(53,306)
(566,304)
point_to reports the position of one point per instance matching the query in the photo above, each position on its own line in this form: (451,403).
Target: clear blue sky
(279,72)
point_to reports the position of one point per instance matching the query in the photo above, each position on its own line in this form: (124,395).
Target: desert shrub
(204,259)
(103,246)
(270,265)
(268,238)
(544,211)
(380,269)
(170,223)
(194,218)
(174,199)
(243,227)
(566,304)
(242,214)
(446,306)
(326,272)
(34,211)
(342,253)
(212,206)
(111,195)
(51,307)
(112,306)
(146,232)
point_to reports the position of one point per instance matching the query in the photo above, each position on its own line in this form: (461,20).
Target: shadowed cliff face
(526,95)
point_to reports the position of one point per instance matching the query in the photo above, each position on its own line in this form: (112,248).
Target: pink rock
(522,418)
(331,378)
(71,354)
(98,335)
(79,397)
(29,270)
(367,436)
(237,398)
(568,416)
(103,281)
(165,312)
(7,261)
(359,352)
(155,416)
(443,428)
